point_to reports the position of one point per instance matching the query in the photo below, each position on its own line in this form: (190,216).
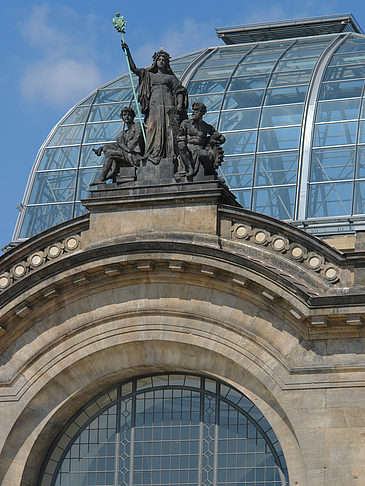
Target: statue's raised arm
(132,64)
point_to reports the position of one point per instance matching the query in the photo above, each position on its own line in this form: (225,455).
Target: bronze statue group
(191,144)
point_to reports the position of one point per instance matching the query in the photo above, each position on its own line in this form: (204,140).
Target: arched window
(167,430)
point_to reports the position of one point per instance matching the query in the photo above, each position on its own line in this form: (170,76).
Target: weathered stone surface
(172,283)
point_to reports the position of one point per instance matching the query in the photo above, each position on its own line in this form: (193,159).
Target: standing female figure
(164,103)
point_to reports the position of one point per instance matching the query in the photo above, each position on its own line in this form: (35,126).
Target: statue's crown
(159,53)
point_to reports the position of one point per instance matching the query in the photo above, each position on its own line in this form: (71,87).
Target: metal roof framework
(287,29)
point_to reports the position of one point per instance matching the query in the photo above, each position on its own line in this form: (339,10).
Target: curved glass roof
(293,114)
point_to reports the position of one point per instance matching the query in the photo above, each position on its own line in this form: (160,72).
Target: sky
(54,53)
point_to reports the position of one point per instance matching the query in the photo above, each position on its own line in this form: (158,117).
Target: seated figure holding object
(127,151)
(199,145)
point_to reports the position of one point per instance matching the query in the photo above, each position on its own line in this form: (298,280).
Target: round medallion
(278,244)
(19,270)
(297,252)
(71,243)
(54,251)
(4,281)
(241,231)
(260,237)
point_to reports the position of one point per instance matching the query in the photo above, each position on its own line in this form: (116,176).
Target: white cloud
(63,70)
(179,39)
(60,82)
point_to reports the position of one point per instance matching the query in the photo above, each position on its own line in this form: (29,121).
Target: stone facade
(185,280)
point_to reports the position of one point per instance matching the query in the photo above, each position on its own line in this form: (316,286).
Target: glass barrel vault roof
(293,114)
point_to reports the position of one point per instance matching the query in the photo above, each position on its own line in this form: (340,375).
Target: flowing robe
(158,94)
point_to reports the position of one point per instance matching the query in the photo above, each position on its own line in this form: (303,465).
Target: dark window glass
(359,197)
(243,99)
(344,72)
(59,158)
(247,82)
(103,132)
(110,95)
(176,434)
(67,135)
(212,102)
(40,218)
(281,115)
(333,199)
(279,96)
(239,119)
(207,86)
(296,77)
(293,64)
(54,186)
(78,115)
(238,171)
(278,139)
(277,202)
(254,68)
(276,169)
(348,58)
(338,110)
(332,164)
(344,89)
(340,133)
(240,142)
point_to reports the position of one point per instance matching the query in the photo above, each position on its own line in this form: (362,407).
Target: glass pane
(89,158)
(59,158)
(54,186)
(283,79)
(212,102)
(278,139)
(300,53)
(348,58)
(244,198)
(213,72)
(362,132)
(334,199)
(335,134)
(85,177)
(110,95)
(255,68)
(67,135)
(277,202)
(79,210)
(338,110)
(232,51)
(107,112)
(293,64)
(239,119)
(123,82)
(276,169)
(240,142)
(245,82)
(243,99)
(220,62)
(202,87)
(40,218)
(278,96)
(351,45)
(359,202)
(344,72)
(282,115)
(212,118)
(332,164)
(238,170)
(79,115)
(102,131)
(88,100)
(264,55)
(344,89)
(360,169)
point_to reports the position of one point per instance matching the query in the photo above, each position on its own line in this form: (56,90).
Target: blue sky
(55,53)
